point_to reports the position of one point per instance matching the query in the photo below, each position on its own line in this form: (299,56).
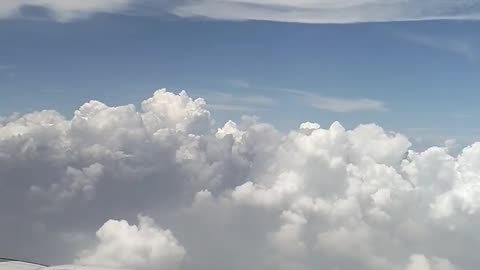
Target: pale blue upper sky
(415,75)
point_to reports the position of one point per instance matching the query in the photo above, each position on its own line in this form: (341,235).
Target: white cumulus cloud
(240,196)
(142,247)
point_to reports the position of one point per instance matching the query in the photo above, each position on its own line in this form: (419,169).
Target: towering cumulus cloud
(160,187)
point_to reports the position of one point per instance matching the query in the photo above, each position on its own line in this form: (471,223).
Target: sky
(240,134)
(421,74)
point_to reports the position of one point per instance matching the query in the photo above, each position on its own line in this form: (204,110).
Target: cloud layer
(330,11)
(307,11)
(243,196)
(61,10)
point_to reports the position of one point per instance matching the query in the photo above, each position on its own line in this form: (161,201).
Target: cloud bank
(242,196)
(306,11)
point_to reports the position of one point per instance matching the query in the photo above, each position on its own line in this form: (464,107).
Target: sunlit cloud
(161,187)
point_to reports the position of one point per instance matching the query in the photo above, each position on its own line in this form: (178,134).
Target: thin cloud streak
(64,11)
(247,103)
(336,104)
(231,108)
(238,83)
(463,47)
(314,11)
(325,12)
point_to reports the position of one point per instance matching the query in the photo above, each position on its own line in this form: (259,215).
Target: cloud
(240,196)
(61,10)
(308,11)
(75,181)
(231,107)
(330,11)
(463,47)
(335,104)
(420,262)
(247,103)
(346,105)
(142,247)
(238,83)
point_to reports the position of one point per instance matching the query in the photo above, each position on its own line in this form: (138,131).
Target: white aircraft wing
(8,264)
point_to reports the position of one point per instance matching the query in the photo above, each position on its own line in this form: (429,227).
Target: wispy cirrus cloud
(330,11)
(346,105)
(238,83)
(247,103)
(232,108)
(64,11)
(337,104)
(462,46)
(306,11)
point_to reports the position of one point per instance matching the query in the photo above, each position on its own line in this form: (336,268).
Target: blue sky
(419,77)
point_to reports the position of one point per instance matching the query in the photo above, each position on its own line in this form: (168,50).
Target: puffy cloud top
(136,247)
(244,195)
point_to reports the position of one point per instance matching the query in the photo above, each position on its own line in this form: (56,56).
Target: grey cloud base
(160,188)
